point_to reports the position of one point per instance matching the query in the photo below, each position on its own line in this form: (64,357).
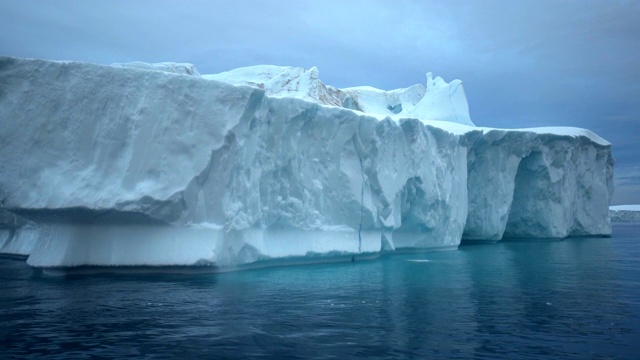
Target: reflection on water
(567,299)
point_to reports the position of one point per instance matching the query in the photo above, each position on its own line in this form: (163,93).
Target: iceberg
(624,213)
(156,165)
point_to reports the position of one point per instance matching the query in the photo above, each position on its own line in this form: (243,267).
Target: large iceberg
(156,165)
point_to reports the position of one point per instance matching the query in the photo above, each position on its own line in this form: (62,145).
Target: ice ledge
(568,131)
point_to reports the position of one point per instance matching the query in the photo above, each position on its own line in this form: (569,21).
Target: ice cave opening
(529,217)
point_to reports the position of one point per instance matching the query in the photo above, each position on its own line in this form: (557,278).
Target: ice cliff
(147,164)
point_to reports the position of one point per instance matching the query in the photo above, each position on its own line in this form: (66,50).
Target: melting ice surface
(157,165)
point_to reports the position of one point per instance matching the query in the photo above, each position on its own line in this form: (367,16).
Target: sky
(523,63)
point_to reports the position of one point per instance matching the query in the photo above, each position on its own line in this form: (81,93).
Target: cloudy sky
(523,63)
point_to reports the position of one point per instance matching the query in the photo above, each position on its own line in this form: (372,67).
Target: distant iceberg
(624,213)
(156,165)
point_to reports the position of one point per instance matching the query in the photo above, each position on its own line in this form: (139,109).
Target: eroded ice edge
(156,165)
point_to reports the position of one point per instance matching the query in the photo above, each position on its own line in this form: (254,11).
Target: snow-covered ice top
(439,100)
(555,130)
(440,104)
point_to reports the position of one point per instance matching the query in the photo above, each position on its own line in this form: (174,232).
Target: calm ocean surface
(578,298)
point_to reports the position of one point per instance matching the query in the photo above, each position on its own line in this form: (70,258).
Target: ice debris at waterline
(156,165)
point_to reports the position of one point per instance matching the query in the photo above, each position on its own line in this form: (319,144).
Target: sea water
(576,298)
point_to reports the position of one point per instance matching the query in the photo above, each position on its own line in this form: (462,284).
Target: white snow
(438,101)
(267,163)
(442,101)
(283,82)
(387,103)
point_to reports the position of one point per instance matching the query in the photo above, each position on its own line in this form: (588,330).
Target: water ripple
(571,299)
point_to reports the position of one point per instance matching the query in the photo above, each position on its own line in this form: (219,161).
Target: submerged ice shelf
(155,164)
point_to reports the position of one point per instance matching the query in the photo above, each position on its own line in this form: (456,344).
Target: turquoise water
(578,298)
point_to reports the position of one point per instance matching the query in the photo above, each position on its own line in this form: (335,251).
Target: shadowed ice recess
(156,165)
